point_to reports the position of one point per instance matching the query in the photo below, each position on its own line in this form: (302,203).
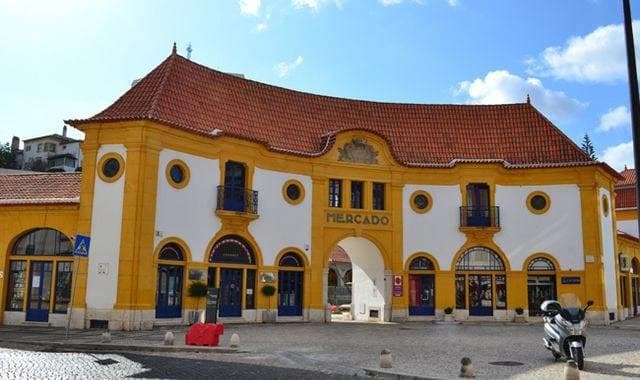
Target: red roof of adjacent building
(39,188)
(192,97)
(338,255)
(628,177)
(626,189)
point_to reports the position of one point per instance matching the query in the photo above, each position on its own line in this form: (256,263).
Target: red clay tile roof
(626,197)
(39,188)
(629,177)
(338,255)
(189,96)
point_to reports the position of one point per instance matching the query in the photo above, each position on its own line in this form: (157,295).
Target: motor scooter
(564,327)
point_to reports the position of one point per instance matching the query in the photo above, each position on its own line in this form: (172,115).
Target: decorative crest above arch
(358,151)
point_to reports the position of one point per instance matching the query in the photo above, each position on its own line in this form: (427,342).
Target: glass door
(169,296)
(234,186)
(540,289)
(39,291)
(480,295)
(230,293)
(478,203)
(289,293)
(421,294)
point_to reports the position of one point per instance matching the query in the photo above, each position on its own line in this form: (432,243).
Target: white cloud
(615,118)
(599,56)
(618,156)
(501,86)
(284,68)
(387,3)
(249,7)
(262,26)
(390,2)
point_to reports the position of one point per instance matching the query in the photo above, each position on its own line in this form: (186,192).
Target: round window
(111,167)
(293,192)
(177,174)
(605,205)
(538,202)
(420,202)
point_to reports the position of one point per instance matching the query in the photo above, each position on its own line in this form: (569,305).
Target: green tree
(587,147)
(7,158)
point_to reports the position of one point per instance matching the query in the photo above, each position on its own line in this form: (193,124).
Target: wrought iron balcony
(471,216)
(240,199)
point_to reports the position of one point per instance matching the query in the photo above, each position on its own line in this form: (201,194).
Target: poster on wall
(397,286)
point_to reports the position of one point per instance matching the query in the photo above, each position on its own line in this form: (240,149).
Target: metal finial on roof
(189,50)
(528,99)
(175,49)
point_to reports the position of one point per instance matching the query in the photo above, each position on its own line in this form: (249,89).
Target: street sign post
(80,249)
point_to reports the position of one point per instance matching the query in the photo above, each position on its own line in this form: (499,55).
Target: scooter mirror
(589,303)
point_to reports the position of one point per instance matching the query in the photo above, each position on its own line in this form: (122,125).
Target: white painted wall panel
(188,213)
(557,232)
(628,226)
(106,225)
(608,251)
(281,224)
(435,232)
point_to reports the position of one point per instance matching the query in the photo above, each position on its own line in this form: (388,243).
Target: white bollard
(168,338)
(106,337)
(234,342)
(467,368)
(386,360)
(571,371)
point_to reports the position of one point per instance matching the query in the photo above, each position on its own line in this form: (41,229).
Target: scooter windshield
(571,307)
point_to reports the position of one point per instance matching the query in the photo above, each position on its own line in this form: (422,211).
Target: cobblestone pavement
(419,348)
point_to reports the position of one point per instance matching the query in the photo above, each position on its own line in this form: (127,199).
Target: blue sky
(72,58)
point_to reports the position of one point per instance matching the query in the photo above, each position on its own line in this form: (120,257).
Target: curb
(389,375)
(122,347)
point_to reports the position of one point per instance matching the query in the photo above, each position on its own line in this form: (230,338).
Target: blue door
(169,294)
(39,291)
(421,294)
(290,293)
(230,293)
(478,202)
(234,186)
(480,295)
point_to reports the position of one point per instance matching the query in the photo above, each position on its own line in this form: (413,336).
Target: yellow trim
(543,255)
(413,205)
(303,257)
(546,198)
(103,160)
(286,196)
(436,265)
(631,214)
(605,205)
(185,170)
(175,240)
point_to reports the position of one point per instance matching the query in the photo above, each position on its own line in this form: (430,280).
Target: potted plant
(520,315)
(448,314)
(268,315)
(197,290)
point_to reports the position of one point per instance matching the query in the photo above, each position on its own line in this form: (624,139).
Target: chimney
(64,131)
(15,144)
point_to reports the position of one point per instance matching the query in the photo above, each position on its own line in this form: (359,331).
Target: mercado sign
(351,218)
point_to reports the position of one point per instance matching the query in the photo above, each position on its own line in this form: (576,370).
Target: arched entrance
(370,290)
(169,289)
(290,284)
(481,282)
(541,283)
(421,286)
(40,274)
(234,272)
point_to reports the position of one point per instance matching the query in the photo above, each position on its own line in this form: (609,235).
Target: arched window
(541,264)
(332,278)
(348,277)
(479,259)
(232,250)
(172,252)
(421,263)
(291,259)
(43,242)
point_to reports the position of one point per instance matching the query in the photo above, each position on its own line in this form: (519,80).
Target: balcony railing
(471,216)
(231,198)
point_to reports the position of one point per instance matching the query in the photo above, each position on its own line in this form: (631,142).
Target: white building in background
(52,153)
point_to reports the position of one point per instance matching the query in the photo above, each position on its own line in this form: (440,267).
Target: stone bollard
(386,360)
(467,368)
(168,338)
(106,337)
(571,371)
(234,342)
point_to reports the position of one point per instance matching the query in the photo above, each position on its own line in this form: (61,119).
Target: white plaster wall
(188,213)
(281,224)
(557,232)
(628,226)
(106,224)
(608,252)
(368,282)
(435,232)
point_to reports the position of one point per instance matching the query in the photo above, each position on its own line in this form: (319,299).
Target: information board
(211,313)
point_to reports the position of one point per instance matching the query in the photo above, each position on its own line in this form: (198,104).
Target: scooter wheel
(577,354)
(556,356)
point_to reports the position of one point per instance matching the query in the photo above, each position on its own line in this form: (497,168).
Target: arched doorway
(234,272)
(290,284)
(421,286)
(481,282)
(541,283)
(339,278)
(370,293)
(40,274)
(170,274)
(635,285)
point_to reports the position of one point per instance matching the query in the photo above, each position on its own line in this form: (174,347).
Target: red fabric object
(204,334)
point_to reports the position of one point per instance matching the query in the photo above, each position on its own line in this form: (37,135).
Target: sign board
(570,280)
(397,286)
(81,247)
(211,313)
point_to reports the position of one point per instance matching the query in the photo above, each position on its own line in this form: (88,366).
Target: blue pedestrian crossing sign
(81,247)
